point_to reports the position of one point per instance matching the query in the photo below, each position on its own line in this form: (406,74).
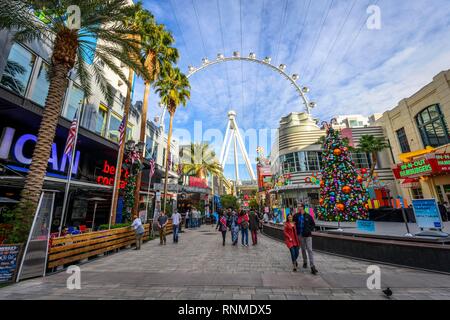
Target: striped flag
(152,167)
(122,131)
(72,134)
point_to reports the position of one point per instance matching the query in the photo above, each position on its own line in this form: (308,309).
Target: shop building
(418,131)
(23,89)
(296,160)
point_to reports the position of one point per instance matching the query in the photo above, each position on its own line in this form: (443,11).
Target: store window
(18,69)
(417,193)
(149,147)
(114,124)
(361,160)
(40,89)
(439,194)
(432,127)
(403,140)
(74,101)
(301,161)
(102,116)
(129,135)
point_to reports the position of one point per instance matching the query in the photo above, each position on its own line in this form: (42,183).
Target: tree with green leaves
(201,162)
(229,201)
(72,50)
(372,145)
(158,50)
(174,89)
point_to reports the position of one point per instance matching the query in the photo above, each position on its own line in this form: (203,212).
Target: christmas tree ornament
(337,152)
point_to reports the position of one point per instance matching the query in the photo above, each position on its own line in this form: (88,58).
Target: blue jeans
(294,253)
(244,236)
(176,228)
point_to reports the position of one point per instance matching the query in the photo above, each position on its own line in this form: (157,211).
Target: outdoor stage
(386,245)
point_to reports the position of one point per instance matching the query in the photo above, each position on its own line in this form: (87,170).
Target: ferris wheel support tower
(232,135)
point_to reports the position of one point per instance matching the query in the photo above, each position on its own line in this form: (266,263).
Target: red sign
(198,182)
(433,164)
(108,175)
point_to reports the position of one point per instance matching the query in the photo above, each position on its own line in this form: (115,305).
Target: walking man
(176,222)
(254,226)
(305,226)
(162,222)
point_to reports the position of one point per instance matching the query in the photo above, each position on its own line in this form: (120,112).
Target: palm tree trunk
(35,179)
(166,175)
(142,139)
(372,168)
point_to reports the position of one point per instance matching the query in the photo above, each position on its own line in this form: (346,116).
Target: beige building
(417,129)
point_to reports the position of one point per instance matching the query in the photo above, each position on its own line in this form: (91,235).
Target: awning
(407,157)
(410,183)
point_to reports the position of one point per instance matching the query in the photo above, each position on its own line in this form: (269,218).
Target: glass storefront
(75,99)
(18,69)
(41,86)
(114,124)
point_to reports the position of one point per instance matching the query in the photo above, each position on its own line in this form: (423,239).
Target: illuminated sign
(197,182)
(19,149)
(443,161)
(108,175)
(418,167)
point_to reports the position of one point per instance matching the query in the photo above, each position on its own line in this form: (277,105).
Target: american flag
(152,167)
(72,134)
(122,131)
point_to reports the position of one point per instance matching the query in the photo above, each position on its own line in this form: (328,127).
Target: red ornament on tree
(321,201)
(360,179)
(337,152)
(363,170)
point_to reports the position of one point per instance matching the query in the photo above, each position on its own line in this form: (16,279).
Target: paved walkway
(200,268)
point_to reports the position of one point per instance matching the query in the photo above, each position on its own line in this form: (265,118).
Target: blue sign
(365,225)
(427,213)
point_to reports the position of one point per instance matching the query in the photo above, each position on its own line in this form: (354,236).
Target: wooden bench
(70,249)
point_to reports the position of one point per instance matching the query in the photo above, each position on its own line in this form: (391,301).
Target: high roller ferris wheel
(232,134)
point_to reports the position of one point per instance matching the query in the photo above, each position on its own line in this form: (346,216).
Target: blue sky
(348,68)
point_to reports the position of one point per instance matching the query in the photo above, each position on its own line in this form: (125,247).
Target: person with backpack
(254,226)
(222,226)
(244,224)
(138,230)
(305,226)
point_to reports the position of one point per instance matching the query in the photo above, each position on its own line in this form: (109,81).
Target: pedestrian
(138,230)
(291,240)
(254,226)
(305,226)
(243,224)
(162,222)
(222,226)
(176,223)
(266,217)
(443,211)
(188,218)
(234,227)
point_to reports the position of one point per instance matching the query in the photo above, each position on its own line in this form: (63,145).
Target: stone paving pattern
(199,267)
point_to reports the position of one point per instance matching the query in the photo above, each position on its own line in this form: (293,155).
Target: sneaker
(296,264)
(305,265)
(295,269)
(314,270)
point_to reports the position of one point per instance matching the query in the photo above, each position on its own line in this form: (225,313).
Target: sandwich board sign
(428,217)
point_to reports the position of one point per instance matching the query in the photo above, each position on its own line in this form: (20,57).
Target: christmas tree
(342,194)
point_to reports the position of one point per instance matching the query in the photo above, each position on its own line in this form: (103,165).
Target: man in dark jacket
(254,226)
(305,226)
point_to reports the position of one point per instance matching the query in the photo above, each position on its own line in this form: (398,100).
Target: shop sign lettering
(108,174)
(14,148)
(414,168)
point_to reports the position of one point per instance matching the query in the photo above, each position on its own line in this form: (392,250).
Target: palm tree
(174,89)
(201,161)
(158,50)
(71,49)
(372,145)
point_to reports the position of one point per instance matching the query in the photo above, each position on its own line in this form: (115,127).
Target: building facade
(296,160)
(23,89)
(417,129)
